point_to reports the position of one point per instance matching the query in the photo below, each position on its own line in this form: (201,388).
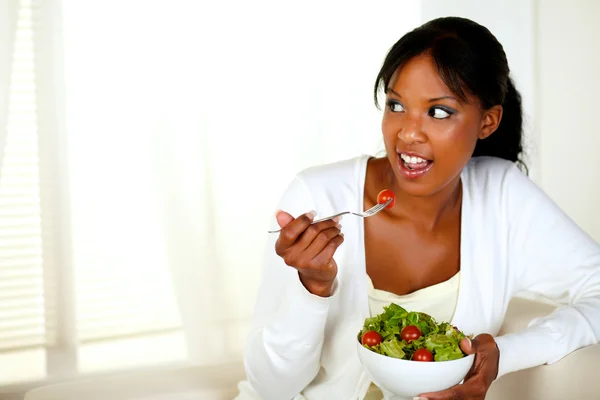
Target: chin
(418,189)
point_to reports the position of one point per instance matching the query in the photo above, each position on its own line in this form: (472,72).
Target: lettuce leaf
(393,348)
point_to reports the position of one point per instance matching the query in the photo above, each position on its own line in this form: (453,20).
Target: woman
(467,232)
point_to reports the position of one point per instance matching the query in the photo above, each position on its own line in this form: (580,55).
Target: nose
(411,132)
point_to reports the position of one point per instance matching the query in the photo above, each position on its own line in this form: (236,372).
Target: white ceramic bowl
(408,379)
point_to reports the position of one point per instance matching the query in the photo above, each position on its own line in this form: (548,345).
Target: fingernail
(277,212)
(419,398)
(337,219)
(341,234)
(339,226)
(312,214)
(470,344)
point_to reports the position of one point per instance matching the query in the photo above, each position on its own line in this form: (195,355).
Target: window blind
(122,288)
(22,316)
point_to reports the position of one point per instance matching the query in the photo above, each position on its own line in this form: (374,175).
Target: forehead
(419,77)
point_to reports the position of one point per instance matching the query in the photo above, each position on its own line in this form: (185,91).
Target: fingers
(316,236)
(482,373)
(309,248)
(468,391)
(283,218)
(325,256)
(467,346)
(302,232)
(301,242)
(475,347)
(290,233)
(470,347)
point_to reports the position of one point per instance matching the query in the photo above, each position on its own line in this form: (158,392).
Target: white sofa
(187,383)
(574,377)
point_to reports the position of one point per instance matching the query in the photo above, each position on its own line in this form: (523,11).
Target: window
(123,240)
(23,332)
(71,251)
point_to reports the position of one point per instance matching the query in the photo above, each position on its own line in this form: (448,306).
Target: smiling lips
(413,166)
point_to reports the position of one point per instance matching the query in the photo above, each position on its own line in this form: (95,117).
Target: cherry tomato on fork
(384,196)
(422,355)
(371,338)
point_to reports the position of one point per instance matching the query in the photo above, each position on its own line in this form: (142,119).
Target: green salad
(411,336)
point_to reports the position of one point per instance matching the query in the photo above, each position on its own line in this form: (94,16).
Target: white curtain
(188,119)
(169,130)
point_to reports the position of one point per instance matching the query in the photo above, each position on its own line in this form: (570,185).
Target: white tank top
(438,300)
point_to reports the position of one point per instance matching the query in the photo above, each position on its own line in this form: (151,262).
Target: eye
(440,113)
(395,106)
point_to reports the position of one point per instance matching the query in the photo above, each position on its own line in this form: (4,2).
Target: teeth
(412,160)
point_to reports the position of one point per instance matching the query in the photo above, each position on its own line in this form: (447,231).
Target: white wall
(511,21)
(568,103)
(554,55)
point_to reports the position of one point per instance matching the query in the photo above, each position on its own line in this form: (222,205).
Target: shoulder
(339,172)
(499,184)
(485,169)
(325,187)
(492,174)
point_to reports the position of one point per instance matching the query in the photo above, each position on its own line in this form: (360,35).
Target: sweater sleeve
(551,256)
(283,350)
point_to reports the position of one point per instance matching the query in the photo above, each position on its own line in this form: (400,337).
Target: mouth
(413,166)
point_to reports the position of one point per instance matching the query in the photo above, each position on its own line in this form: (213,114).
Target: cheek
(386,124)
(389,129)
(455,138)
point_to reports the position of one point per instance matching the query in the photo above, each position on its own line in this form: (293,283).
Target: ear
(490,121)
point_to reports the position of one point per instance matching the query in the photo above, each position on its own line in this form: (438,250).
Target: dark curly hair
(470,60)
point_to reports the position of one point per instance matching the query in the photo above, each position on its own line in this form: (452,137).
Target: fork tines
(376,209)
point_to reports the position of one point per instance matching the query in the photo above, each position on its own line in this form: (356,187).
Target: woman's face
(429,132)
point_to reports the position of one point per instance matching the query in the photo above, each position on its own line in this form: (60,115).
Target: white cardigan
(513,238)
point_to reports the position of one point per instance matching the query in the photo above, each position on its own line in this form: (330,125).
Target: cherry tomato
(371,338)
(422,355)
(410,333)
(384,196)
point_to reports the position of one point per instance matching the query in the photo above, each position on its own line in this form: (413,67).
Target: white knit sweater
(513,238)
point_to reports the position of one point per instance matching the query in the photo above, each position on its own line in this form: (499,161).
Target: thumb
(468,346)
(283,218)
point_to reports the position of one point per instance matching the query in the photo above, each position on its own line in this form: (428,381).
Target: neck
(431,210)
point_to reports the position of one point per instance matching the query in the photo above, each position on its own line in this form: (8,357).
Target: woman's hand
(480,377)
(309,248)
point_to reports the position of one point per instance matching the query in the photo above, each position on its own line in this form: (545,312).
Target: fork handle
(330,217)
(320,220)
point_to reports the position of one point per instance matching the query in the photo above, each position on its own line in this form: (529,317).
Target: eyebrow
(444,97)
(430,100)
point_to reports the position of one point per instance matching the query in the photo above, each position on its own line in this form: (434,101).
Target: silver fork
(365,214)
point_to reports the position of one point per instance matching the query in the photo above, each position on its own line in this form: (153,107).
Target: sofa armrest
(573,377)
(216,382)
(521,311)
